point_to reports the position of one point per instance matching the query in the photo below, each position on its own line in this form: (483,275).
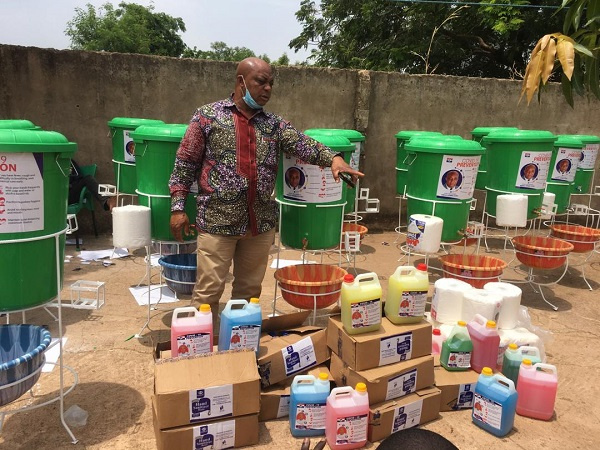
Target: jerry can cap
(361,387)
(422,266)
(490,324)
(488,372)
(204,307)
(526,361)
(323,376)
(254,300)
(348,278)
(513,346)
(461,323)
(436,332)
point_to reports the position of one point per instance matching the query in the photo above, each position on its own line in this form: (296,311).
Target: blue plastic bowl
(179,270)
(22,350)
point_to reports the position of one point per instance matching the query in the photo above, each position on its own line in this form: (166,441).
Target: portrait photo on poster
(295,184)
(529,172)
(563,166)
(452,180)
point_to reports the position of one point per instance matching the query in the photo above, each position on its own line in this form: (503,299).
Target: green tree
(576,56)
(416,37)
(130,28)
(220,51)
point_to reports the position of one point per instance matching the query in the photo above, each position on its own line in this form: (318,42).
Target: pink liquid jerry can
(486,342)
(437,339)
(347,417)
(191,331)
(537,387)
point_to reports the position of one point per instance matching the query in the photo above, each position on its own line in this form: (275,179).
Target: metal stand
(148,276)
(61,365)
(118,192)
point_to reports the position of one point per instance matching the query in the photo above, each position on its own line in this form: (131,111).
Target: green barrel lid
(18,124)
(587,138)
(520,136)
(351,135)
(484,131)
(407,134)
(131,122)
(568,141)
(34,141)
(444,145)
(166,132)
(337,143)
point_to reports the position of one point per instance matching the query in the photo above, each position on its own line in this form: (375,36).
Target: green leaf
(584,50)
(567,90)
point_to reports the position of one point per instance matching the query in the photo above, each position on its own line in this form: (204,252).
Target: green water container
(402,137)
(477,134)
(563,168)
(34,188)
(312,203)
(156,146)
(441,179)
(585,170)
(18,124)
(518,163)
(123,148)
(356,138)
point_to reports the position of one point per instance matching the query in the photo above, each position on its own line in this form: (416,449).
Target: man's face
(260,84)
(564,166)
(452,179)
(529,172)
(294,178)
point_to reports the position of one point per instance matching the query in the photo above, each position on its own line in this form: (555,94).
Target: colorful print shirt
(235,162)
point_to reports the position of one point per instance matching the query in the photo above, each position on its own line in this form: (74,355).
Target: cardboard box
(388,345)
(457,388)
(415,409)
(232,432)
(386,382)
(287,348)
(275,400)
(206,387)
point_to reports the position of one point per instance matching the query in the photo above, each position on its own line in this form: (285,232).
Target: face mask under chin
(248,100)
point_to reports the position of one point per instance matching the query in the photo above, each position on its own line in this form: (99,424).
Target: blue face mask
(248,100)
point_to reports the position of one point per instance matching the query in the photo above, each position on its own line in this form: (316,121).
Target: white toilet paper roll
(511,302)
(480,301)
(548,205)
(511,210)
(447,302)
(131,226)
(424,233)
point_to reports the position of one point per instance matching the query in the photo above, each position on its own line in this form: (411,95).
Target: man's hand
(339,165)
(180,222)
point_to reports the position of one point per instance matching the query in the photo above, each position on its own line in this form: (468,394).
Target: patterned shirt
(235,162)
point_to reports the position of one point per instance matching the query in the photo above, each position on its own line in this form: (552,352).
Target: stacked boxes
(395,363)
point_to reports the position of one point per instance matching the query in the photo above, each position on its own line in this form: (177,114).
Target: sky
(263,26)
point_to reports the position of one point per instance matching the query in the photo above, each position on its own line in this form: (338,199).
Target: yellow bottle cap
(461,323)
(204,307)
(526,361)
(490,324)
(487,372)
(513,346)
(361,387)
(323,376)
(254,300)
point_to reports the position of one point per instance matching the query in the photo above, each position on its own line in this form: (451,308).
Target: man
(564,165)
(294,177)
(529,171)
(232,149)
(452,178)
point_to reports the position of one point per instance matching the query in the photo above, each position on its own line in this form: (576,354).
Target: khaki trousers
(215,254)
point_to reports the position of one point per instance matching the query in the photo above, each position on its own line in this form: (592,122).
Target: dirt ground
(115,371)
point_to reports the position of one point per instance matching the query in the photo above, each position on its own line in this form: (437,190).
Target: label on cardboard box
(395,349)
(407,416)
(284,406)
(351,429)
(244,336)
(402,385)
(211,403)
(214,436)
(299,356)
(465,396)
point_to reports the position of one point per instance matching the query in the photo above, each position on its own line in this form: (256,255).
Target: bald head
(252,64)
(253,77)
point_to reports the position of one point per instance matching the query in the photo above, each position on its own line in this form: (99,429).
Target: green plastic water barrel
(156,146)
(312,203)
(356,138)
(563,167)
(441,180)
(478,134)
(18,124)
(585,169)
(402,137)
(34,187)
(124,150)
(518,162)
